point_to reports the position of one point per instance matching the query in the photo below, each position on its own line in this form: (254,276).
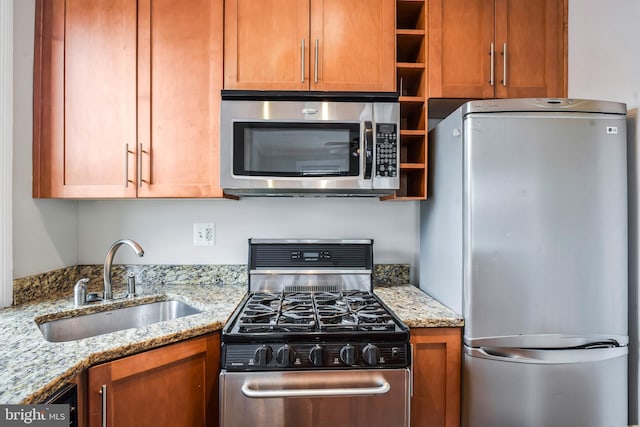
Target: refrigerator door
(544,388)
(544,224)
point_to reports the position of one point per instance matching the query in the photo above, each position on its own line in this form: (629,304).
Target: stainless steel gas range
(311,344)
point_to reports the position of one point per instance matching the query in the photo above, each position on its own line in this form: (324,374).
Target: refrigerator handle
(546,357)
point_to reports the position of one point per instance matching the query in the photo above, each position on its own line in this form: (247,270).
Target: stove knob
(316,355)
(263,355)
(285,356)
(348,354)
(370,354)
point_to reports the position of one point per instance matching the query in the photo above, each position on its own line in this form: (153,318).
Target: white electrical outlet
(204,234)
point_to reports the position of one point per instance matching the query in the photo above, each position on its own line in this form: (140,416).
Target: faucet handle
(80,292)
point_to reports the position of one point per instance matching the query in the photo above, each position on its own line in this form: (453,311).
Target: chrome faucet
(109,260)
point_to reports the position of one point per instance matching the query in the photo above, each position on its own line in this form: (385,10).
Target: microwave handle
(368,149)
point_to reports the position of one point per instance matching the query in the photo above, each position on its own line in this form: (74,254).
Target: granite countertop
(417,309)
(32,368)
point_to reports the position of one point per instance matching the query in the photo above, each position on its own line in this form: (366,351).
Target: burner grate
(314,311)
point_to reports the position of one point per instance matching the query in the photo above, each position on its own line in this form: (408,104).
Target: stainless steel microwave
(309,148)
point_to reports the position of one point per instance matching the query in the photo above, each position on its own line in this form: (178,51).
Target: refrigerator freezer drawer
(504,390)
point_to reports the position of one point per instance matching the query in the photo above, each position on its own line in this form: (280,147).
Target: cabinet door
(179,83)
(266,44)
(437,368)
(352,45)
(532,32)
(173,386)
(460,39)
(85,99)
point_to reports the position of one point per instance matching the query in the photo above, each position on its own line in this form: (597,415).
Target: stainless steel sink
(89,325)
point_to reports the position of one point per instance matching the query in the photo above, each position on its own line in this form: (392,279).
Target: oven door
(323,398)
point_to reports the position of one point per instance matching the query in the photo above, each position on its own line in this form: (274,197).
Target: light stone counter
(417,309)
(32,368)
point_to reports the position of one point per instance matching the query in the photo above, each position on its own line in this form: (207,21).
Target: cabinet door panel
(533,33)
(99,98)
(460,37)
(180,77)
(356,45)
(263,44)
(172,386)
(437,366)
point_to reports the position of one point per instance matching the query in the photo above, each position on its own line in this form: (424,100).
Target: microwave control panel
(386,150)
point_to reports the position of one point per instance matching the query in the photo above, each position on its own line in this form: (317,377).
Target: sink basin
(89,325)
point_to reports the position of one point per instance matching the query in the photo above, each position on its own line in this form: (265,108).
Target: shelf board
(411,166)
(412,132)
(418,66)
(402,198)
(409,32)
(412,99)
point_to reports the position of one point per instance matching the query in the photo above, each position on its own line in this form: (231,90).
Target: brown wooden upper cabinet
(497,48)
(126,98)
(324,45)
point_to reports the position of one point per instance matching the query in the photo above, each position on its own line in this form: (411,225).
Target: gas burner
(297,298)
(328,298)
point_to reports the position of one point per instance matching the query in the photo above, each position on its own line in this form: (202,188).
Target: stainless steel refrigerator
(524,233)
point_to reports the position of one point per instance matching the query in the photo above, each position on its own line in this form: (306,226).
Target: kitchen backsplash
(62,280)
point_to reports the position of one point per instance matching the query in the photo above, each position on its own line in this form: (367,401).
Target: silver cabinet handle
(492,74)
(258,391)
(412,374)
(302,61)
(126,165)
(140,166)
(504,64)
(315,65)
(103,392)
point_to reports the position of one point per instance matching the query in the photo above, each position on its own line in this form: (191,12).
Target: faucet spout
(108,261)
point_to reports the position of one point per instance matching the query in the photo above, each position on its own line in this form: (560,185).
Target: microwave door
(289,150)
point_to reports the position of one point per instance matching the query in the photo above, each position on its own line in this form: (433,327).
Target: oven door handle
(256,390)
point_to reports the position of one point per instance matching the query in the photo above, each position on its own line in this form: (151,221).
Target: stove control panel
(292,356)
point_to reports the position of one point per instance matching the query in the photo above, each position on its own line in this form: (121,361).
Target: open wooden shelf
(411,70)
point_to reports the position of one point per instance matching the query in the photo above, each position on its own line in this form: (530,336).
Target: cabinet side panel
(48,98)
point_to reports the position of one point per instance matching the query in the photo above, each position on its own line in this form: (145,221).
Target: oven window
(296,149)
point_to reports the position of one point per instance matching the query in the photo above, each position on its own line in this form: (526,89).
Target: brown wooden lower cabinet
(171,386)
(436,377)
